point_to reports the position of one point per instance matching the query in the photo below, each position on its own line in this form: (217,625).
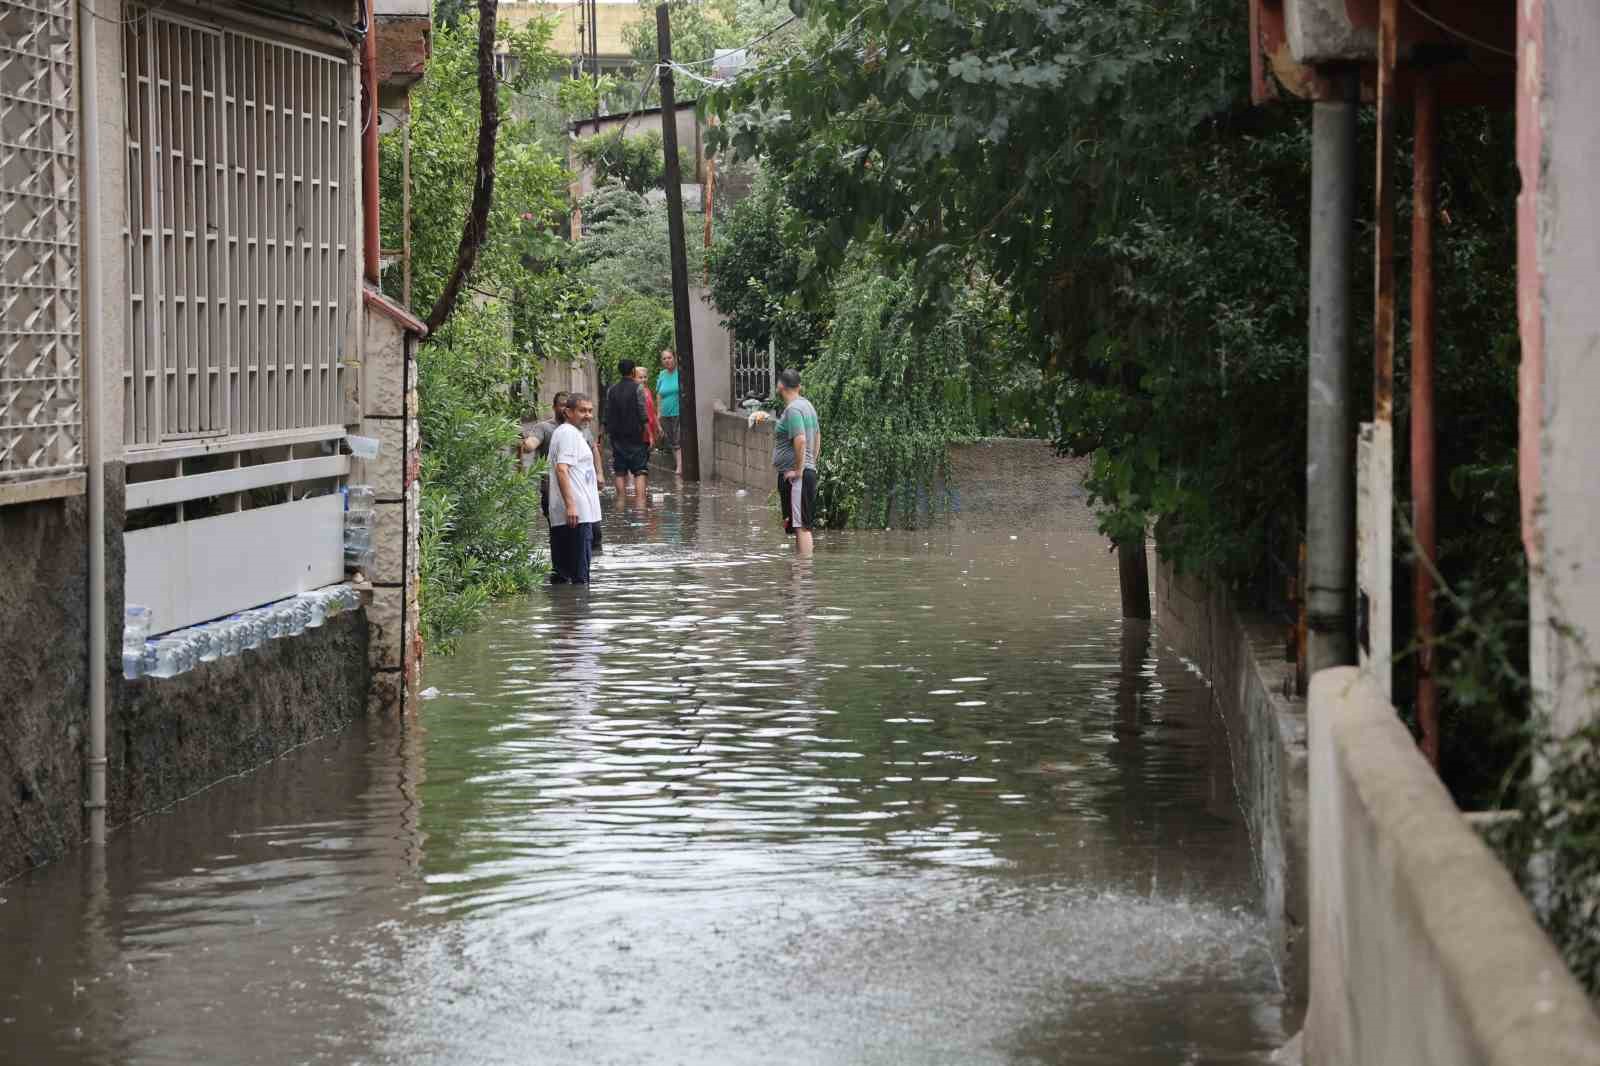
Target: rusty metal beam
(1425,184)
(1384,319)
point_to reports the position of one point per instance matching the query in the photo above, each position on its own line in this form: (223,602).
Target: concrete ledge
(1422,950)
(1252,685)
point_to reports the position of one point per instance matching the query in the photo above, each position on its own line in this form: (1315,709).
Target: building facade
(189,344)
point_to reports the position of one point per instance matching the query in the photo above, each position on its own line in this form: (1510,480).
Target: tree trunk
(477,224)
(1133,569)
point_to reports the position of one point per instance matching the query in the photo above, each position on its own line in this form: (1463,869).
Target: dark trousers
(571,548)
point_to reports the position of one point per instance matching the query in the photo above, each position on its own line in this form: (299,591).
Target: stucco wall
(1252,686)
(1559,267)
(1422,950)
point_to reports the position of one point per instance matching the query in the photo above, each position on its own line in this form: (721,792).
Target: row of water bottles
(358,519)
(178,652)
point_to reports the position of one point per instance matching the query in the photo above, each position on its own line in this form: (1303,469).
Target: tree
(756,267)
(1015,136)
(520,305)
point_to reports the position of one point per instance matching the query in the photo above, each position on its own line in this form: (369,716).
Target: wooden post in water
(689,418)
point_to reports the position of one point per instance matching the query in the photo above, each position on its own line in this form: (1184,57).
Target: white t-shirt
(568,446)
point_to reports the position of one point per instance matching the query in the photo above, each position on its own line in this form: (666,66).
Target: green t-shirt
(799,417)
(667,393)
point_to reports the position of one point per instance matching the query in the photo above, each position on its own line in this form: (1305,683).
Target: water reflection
(923,798)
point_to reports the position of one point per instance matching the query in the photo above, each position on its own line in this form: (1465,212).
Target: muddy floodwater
(924,799)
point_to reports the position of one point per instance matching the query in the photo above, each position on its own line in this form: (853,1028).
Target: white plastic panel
(194,571)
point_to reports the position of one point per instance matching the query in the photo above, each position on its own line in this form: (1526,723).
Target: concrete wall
(167,737)
(989,484)
(713,368)
(1252,686)
(1422,950)
(1558,153)
(740,453)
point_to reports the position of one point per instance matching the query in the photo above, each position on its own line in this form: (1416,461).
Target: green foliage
(699,28)
(1057,147)
(478,509)
(756,267)
(637,328)
(893,393)
(530,181)
(636,161)
(626,252)
(1552,847)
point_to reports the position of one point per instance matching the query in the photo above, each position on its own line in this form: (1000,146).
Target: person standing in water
(627,420)
(796,443)
(667,406)
(535,444)
(574,495)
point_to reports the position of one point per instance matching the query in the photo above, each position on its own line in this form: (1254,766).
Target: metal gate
(239,201)
(754,370)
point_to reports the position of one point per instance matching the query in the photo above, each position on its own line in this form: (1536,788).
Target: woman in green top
(667,406)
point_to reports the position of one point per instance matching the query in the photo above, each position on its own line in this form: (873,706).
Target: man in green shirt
(796,443)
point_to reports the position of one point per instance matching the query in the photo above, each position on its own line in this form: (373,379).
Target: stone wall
(389,413)
(1252,686)
(1422,949)
(44,641)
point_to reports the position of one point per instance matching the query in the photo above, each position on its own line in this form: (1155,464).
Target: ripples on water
(923,799)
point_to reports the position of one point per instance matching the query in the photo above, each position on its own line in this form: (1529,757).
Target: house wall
(167,737)
(614,16)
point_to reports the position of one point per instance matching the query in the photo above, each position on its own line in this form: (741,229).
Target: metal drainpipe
(369,144)
(92,350)
(1330,445)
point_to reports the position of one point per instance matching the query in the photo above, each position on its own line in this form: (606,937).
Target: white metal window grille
(754,370)
(41,392)
(240,277)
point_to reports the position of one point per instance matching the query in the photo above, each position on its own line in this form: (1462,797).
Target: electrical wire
(791,20)
(1452,31)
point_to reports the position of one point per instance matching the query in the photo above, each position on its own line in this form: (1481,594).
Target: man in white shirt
(574,495)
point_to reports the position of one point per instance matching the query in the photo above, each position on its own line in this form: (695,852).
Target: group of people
(635,422)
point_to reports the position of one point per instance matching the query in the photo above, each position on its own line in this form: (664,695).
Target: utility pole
(1330,438)
(689,428)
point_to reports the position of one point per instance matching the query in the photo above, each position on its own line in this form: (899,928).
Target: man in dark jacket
(626,419)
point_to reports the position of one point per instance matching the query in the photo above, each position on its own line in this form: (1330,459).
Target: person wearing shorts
(796,443)
(667,404)
(627,419)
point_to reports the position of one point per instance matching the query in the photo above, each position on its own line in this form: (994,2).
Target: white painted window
(41,409)
(241,278)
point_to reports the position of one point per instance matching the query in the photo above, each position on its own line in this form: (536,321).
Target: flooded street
(923,799)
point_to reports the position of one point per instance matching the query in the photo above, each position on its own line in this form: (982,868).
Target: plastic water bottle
(135,629)
(317,609)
